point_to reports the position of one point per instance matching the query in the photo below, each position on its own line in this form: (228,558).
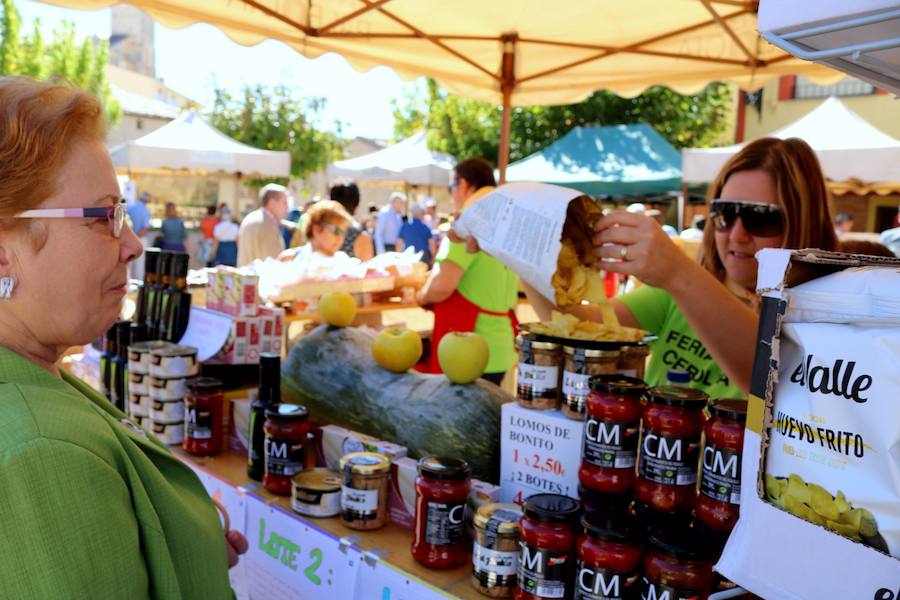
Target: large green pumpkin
(331,371)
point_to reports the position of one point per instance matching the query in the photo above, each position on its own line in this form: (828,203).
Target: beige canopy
(512,52)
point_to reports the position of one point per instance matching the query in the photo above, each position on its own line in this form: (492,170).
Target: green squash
(331,372)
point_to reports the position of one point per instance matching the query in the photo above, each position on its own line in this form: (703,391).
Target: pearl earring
(6,287)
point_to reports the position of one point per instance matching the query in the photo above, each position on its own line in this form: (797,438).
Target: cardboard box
(402,500)
(336,441)
(214,290)
(540,452)
(248,293)
(254,339)
(273,328)
(771,552)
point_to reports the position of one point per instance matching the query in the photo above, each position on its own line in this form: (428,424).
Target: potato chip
(774,487)
(797,488)
(867,525)
(822,502)
(795,506)
(842,529)
(841,502)
(816,519)
(852,517)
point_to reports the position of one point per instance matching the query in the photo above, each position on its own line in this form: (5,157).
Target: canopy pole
(507,85)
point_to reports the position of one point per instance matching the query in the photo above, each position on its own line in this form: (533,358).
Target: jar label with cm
(543,572)
(721,475)
(494,568)
(657,591)
(283,458)
(537,382)
(669,460)
(198,424)
(444,523)
(600,584)
(359,505)
(610,444)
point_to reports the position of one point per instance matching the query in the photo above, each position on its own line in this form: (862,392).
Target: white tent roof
(409,161)
(188,142)
(848,146)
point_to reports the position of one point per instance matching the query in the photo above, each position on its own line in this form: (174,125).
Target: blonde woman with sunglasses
(771,194)
(325,226)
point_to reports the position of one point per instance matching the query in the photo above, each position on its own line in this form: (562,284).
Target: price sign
(288,559)
(540,452)
(376,580)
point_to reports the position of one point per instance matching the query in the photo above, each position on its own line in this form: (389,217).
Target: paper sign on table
(290,560)
(207,331)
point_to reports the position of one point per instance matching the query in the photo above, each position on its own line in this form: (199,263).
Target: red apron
(457,314)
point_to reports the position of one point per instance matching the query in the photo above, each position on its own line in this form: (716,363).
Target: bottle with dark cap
(176,300)
(119,366)
(161,282)
(144,296)
(269,395)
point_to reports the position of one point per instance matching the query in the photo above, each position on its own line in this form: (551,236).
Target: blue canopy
(612,160)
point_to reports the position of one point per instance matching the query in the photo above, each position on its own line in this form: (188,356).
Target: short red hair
(39,125)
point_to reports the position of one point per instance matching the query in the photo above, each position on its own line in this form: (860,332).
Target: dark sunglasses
(338,231)
(758,218)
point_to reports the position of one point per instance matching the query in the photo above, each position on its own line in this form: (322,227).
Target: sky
(193,60)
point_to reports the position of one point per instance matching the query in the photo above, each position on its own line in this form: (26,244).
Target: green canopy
(612,160)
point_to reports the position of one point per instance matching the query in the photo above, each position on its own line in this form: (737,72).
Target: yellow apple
(463,356)
(397,349)
(337,308)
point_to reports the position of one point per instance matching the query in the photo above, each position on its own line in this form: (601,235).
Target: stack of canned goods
(170,367)
(139,381)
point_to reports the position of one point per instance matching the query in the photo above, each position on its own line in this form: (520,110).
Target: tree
(62,59)
(466,128)
(278,119)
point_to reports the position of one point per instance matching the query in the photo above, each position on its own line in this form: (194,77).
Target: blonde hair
(39,125)
(800,190)
(325,211)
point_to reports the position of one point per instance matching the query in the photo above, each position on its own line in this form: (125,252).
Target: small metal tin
(170,434)
(165,411)
(167,388)
(316,493)
(174,361)
(138,383)
(139,355)
(138,405)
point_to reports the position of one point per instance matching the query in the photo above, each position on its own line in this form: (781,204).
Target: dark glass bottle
(269,395)
(119,366)
(138,332)
(144,296)
(154,313)
(175,311)
(106,355)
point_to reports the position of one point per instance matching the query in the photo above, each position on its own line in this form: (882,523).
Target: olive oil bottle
(269,395)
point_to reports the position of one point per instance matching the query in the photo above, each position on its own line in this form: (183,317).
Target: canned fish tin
(170,434)
(165,411)
(139,355)
(316,493)
(138,383)
(138,405)
(174,361)
(140,421)
(167,388)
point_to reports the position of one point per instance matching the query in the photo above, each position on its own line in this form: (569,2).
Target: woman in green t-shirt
(771,194)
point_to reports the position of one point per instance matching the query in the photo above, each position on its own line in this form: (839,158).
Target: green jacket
(91,507)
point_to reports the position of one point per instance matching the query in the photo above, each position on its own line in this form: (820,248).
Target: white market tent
(190,143)
(409,161)
(848,147)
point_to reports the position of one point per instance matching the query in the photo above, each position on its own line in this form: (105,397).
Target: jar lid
(678,395)
(365,463)
(553,508)
(204,384)
(681,541)
(287,412)
(148,346)
(611,526)
(173,350)
(590,353)
(617,384)
(729,408)
(318,480)
(444,467)
(499,517)
(535,345)
(678,377)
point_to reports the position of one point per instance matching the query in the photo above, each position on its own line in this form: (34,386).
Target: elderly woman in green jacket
(90,506)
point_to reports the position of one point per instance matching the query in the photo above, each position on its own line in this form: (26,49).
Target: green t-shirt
(491,286)
(678,347)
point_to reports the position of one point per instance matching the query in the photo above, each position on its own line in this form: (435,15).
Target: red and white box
(254,341)
(272,328)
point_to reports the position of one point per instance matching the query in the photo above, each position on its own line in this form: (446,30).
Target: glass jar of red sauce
(203,416)
(549,532)
(609,557)
(718,503)
(672,425)
(678,562)
(286,428)
(439,532)
(611,430)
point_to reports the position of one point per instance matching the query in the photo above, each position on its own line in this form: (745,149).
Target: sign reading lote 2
(539,453)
